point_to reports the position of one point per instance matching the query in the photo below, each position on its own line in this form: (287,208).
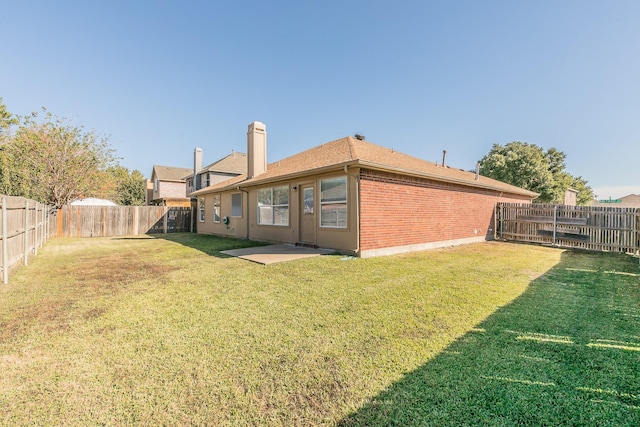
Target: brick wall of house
(397,210)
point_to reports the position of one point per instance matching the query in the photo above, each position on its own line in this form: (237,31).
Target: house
(221,170)
(169,186)
(353,196)
(629,201)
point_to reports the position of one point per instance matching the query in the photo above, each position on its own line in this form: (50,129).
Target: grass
(153,331)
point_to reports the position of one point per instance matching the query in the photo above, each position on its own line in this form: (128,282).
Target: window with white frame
(216,208)
(273,205)
(201,202)
(333,202)
(236,204)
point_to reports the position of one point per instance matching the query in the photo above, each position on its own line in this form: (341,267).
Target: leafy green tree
(6,118)
(124,187)
(53,161)
(6,121)
(531,167)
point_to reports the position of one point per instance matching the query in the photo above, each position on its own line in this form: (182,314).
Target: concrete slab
(276,253)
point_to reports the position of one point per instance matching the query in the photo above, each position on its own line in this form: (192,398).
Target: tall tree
(6,118)
(54,161)
(124,187)
(531,167)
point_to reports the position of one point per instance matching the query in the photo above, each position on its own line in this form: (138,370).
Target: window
(201,207)
(216,208)
(308,200)
(273,205)
(333,202)
(155,185)
(236,204)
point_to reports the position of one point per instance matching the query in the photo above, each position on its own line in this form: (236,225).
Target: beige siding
(237,226)
(342,239)
(171,190)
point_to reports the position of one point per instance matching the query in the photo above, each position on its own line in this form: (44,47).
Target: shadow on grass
(566,352)
(208,244)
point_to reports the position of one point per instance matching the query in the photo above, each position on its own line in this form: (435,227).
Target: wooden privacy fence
(586,227)
(25,228)
(107,221)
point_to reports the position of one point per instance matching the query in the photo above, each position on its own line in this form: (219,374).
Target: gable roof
(233,163)
(170,173)
(631,199)
(349,151)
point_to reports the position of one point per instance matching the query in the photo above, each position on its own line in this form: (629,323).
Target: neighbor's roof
(92,201)
(350,151)
(630,201)
(233,163)
(170,173)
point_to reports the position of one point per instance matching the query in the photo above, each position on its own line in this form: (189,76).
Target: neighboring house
(169,186)
(352,196)
(221,170)
(570,197)
(630,201)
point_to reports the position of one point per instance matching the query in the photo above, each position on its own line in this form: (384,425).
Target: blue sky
(163,77)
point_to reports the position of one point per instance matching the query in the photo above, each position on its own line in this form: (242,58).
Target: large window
(333,202)
(273,205)
(216,208)
(201,201)
(236,204)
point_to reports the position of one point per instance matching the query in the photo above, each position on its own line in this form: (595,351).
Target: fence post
(25,261)
(555,223)
(165,212)
(35,233)
(43,236)
(5,246)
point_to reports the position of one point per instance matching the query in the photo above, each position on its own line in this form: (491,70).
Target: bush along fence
(25,228)
(586,227)
(108,221)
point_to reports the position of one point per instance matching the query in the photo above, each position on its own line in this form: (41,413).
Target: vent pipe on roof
(444,157)
(256,149)
(477,171)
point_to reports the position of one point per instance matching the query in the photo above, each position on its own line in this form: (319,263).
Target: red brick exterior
(398,210)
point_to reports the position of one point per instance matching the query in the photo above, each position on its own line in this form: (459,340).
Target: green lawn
(154,331)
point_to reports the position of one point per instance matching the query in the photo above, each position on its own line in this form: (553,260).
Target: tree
(53,161)
(6,118)
(531,167)
(124,187)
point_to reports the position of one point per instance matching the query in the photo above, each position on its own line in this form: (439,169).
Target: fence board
(108,221)
(25,228)
(586,227)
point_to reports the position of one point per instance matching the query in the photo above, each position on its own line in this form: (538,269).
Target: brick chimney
(256,149)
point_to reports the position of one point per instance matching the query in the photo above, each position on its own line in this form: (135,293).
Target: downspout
(247,204)
(357,177)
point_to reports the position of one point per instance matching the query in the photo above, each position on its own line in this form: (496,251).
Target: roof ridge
(353,152)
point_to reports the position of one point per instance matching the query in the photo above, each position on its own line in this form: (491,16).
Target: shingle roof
(170,173)
(350,151)
(233,163)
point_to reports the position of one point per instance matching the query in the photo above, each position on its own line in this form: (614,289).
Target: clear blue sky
(163,77)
